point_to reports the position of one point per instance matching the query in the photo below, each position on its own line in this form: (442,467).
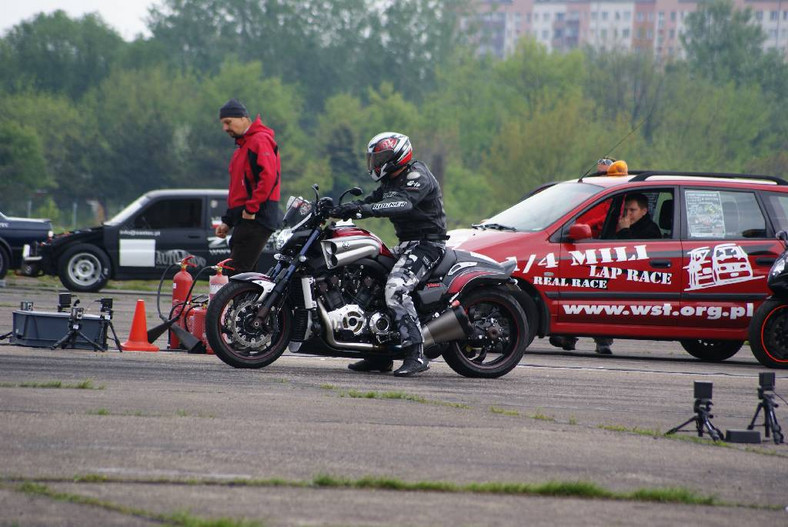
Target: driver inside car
(410,196)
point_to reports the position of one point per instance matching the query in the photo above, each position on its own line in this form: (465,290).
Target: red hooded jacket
(254,177)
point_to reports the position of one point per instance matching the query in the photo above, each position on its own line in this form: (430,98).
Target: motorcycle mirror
(356,191)
(317,194)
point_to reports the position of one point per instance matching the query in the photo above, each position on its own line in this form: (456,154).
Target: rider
(410,196)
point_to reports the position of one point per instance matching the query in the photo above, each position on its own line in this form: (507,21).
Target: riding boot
(414,363)
(374,364)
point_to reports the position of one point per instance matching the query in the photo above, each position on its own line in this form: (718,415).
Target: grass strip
(566,489)
(82,385)
(179,518)
(356,394)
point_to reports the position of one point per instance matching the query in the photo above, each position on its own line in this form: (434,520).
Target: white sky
(125,16)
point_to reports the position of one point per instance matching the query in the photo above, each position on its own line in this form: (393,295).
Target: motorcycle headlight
(281,237)
(778,267)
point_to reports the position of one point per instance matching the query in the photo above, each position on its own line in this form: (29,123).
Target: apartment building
(652,26)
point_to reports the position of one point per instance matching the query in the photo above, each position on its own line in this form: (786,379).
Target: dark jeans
(246,245)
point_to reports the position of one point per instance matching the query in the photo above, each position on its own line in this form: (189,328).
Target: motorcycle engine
(356,307)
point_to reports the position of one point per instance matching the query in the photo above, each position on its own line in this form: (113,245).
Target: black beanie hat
(233,108)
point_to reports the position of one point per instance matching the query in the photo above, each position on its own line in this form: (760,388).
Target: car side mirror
(579,231)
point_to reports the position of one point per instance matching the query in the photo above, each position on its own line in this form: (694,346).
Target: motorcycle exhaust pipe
(341,258)
(451,325)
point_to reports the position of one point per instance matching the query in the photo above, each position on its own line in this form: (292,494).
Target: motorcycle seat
(442,269)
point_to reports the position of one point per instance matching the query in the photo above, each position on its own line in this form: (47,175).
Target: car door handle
(766,261)
(660,264)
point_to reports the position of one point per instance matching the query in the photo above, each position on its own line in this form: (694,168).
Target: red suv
(699,283)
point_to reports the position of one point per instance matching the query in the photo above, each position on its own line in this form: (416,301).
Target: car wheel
(84,268)
(5,262)
(712,350)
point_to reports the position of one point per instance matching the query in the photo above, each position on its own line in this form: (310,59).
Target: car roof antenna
(653,106)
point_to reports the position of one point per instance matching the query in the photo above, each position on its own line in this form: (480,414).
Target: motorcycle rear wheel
(233,338)
(497,316)
(769,333)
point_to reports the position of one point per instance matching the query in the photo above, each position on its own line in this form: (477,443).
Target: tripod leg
(115,336)
(96,346)
(754,417)
(714,432)
(62,341)
(773,425)
(682,425)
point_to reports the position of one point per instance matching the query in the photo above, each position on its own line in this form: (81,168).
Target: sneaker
(603,349)
(566,343)
(364,365)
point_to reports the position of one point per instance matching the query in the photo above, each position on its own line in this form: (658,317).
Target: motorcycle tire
(231,335)
(711,350)
(769,333)
(497,316)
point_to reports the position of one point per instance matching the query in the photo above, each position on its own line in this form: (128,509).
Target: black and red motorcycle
(325,296)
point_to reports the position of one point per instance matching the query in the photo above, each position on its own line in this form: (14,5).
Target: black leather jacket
(412,201)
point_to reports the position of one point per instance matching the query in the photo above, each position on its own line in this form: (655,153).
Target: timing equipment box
(40,329)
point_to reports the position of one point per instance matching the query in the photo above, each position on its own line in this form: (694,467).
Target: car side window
(171,214)
(723,214)
(659,210)
(778,204)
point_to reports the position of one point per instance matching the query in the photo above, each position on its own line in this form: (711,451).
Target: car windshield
(538,211)
(121,217)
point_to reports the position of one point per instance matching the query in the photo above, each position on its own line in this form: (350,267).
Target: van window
(171,214)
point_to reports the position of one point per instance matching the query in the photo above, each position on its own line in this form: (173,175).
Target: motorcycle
(325,296)
(769,325)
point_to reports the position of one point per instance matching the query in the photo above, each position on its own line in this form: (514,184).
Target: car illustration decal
(723,264)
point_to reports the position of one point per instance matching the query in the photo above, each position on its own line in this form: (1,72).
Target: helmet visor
(375,160)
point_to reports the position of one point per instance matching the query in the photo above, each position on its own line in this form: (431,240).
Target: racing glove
(346,210)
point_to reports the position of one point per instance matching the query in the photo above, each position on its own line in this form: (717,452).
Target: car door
(163,232)
(218,248)
(729,248)
(628,286)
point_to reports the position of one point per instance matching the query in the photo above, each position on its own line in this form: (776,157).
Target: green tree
(22,165)
(58,54)
(722,43)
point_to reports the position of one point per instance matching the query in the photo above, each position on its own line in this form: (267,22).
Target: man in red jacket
(253,200)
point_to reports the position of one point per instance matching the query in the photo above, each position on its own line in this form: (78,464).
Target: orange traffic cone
(138,336)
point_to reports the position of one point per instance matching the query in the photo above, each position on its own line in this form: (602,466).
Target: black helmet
(387,153)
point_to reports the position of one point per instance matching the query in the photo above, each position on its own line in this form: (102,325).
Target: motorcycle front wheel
(769,333)
(232,333)
(499,339)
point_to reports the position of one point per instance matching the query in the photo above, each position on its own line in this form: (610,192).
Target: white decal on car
(723,264)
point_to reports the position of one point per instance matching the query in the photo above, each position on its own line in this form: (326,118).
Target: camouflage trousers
(415,260)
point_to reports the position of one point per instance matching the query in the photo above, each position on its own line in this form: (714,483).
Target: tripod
(702,420)
(75,331)
(770,423)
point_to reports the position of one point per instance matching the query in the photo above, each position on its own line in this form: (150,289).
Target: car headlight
(281,237)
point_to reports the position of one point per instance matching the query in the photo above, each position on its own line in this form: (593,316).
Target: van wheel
(84,268)
(712,350)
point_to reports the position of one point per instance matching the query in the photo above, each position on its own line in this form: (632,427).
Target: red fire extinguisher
(181,287)
(195,324)
(219,279)
(197,315)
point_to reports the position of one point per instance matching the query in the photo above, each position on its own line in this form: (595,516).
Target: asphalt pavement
(141,438)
